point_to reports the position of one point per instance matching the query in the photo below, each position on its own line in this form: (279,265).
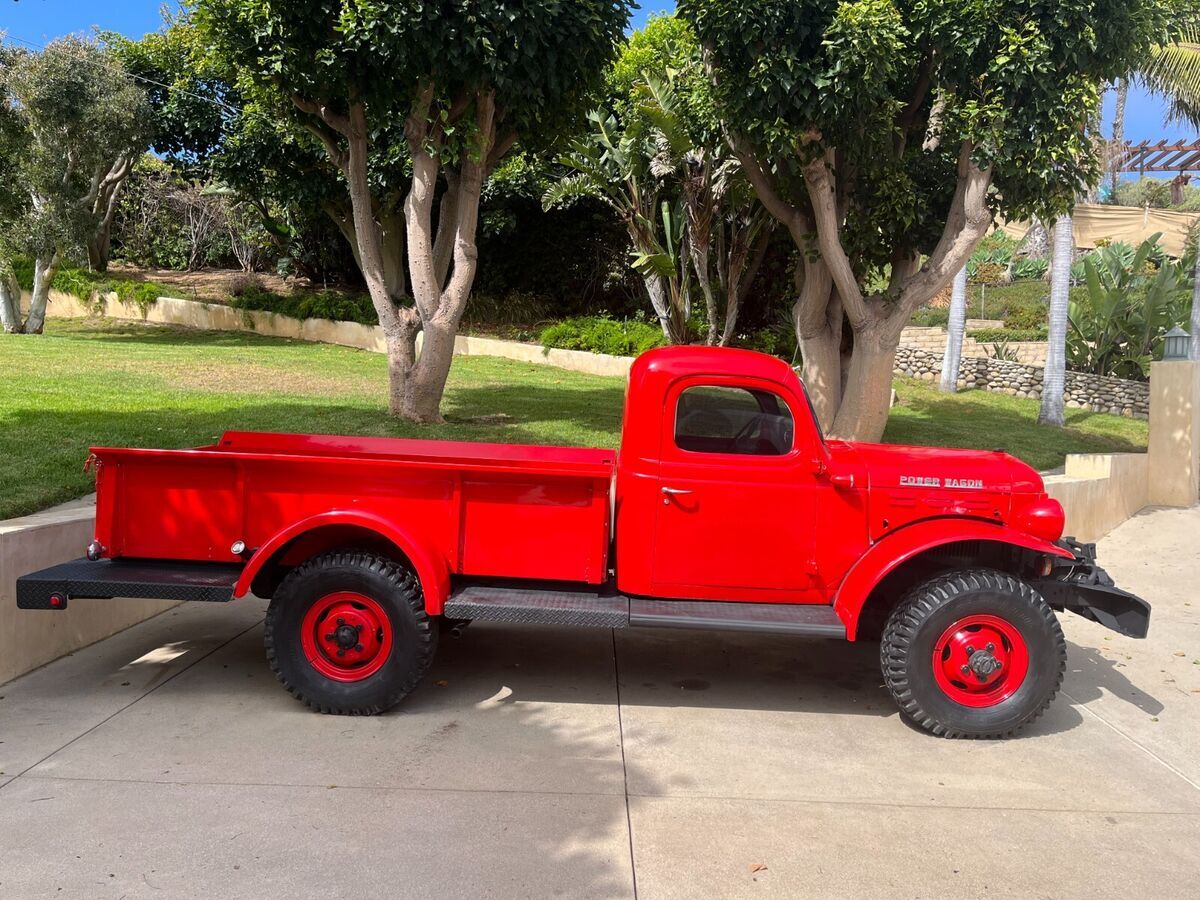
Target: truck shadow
(672,668)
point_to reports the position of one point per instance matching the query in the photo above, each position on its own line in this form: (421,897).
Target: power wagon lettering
(925,481)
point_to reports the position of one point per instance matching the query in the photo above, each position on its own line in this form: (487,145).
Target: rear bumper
(1082,587)
(54,587)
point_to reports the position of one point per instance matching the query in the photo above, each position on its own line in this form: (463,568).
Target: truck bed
(496,510)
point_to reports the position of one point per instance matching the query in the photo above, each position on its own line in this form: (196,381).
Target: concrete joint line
(136,699)
(1154,756)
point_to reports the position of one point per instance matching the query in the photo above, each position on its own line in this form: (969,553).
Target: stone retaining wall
(1094,392)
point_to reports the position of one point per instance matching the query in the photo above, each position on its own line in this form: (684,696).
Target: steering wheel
(745,432)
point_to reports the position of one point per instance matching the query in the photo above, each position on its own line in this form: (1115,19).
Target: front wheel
(973,654)
(347,633)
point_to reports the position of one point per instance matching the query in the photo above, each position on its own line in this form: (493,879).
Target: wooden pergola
(1145,157)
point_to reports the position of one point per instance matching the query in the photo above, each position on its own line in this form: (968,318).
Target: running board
(778,618)
(548,607)
(538,607)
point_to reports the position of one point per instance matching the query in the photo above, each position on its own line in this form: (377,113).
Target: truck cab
(724,508)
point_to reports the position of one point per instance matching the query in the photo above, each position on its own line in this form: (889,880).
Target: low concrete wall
(218,317)
(32,638)
(1099,491)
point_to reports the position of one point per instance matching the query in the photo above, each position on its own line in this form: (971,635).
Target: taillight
(1043,518)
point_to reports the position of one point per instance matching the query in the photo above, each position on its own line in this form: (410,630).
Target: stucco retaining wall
(32,637)
(1099,491)
(932,339)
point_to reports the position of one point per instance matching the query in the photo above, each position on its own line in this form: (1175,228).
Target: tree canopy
(75,122)
(887,135)
(441,89)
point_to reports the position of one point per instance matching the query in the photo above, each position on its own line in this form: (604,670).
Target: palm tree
(954,332)
(1054,379)
(1172,71)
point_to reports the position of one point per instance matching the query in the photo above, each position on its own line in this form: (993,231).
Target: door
(737,495)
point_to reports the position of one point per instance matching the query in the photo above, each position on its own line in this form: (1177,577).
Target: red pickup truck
(724,508)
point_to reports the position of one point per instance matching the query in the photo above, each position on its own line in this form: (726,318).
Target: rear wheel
(347,633)
(973,654)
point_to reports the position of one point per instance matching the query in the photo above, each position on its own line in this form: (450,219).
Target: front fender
(431,569)
(902,545)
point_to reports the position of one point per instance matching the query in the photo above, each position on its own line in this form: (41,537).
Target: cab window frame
(785,404)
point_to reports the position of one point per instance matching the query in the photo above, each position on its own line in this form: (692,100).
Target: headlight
(1042,518)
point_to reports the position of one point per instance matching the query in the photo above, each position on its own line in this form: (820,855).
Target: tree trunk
(952,359)
(1118,132)
(1194,324)
(866,400)
(10,303)
(662,306)
(1054,381)
(44,271)
(99,245)
(427,377)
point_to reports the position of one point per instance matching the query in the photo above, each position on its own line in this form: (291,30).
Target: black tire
(394,588)
(922,618)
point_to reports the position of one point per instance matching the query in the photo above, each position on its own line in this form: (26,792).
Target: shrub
(1026,317)
(309,305)
(600,334)
(1008,335)
(513,308)
(1030,269)
(1118,322)
(927,317)
(246,283)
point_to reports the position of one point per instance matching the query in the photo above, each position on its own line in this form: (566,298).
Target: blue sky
(38,21)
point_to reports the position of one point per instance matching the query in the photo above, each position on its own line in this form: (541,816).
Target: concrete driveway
(166,761)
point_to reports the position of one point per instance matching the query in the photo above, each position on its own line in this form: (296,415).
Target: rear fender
(906,543)
(431,569)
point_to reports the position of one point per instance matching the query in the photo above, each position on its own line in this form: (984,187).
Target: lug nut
(341,652)
(358,647)
(966,669)
(990,647)
(341,621)
(970,650)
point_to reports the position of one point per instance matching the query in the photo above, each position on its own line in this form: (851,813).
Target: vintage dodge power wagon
(724,508)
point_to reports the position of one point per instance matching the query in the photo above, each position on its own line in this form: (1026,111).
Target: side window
(713,419)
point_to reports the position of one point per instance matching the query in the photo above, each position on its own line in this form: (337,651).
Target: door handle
(669,492)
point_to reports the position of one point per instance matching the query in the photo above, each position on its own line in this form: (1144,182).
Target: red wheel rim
(980,661)
(346,636)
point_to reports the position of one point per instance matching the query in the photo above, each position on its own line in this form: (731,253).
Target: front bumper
(1082,587)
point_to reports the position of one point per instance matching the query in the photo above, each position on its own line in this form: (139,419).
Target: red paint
(346,636)
(811,521)
(980,660)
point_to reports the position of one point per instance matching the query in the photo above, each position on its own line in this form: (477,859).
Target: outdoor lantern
(1177,344)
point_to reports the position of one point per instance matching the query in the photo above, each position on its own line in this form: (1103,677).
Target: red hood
(903,485)
(896,465)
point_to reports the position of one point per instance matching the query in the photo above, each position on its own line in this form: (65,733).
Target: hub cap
(980,661)
(346,636)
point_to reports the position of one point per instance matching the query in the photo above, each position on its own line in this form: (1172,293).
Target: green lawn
(102,382)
